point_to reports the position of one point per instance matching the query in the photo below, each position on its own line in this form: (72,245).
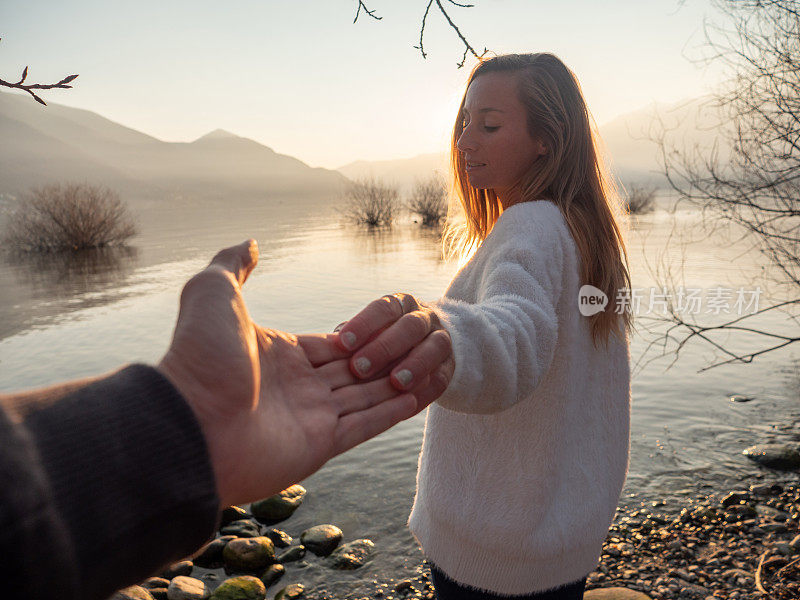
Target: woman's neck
(509,197)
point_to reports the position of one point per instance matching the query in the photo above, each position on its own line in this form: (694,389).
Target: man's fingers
(361,396)
(321,348)
(239,260)
(360,426)
(337,374)
(377,315)
(423,360)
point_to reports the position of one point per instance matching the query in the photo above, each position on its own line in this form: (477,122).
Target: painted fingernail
(404,376)
(349,340)
(362,365)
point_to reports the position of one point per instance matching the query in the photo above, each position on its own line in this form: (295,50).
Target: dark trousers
(447,589)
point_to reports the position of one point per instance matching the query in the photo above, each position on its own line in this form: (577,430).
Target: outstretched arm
(502,345)
(110,478)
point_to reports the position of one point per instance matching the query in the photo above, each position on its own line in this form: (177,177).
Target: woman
(526,452)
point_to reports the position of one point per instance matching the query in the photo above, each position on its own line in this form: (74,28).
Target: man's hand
(274,407)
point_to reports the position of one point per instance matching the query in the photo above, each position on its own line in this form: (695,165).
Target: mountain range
(629,145)
(59,143)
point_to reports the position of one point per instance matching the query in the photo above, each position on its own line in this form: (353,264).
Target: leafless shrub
(428,201)
(640,199)
(372,203)
(68,217)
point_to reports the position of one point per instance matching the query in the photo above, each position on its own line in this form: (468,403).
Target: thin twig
(468,49)
(371,13)
(783,568)
(21,85)
(758,573)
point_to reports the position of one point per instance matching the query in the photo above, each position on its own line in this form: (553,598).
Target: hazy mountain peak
(60,143)
(218,134)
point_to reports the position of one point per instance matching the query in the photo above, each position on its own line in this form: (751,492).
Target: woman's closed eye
(491,128)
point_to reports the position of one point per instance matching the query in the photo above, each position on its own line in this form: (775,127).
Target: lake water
(62,319)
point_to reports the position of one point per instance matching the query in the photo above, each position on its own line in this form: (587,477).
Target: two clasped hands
(260,394)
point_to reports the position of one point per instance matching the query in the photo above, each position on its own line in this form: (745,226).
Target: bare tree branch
(371,13)
(21,85)
(468,49)
(750,176)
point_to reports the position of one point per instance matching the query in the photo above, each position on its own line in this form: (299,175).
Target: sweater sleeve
(504,343)
(118,469)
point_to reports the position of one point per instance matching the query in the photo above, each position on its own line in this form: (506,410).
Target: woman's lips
(474,166)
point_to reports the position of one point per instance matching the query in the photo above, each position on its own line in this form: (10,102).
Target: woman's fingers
(377,315)
(435,385)
(423,360)
(392,344)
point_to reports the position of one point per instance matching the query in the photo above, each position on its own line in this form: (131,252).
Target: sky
(300,77)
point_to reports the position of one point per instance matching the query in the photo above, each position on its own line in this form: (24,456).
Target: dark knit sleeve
(128,471)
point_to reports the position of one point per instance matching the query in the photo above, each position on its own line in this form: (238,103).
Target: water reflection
(74,273)
(53,284)
(379,243)
(431,238)
(374,241)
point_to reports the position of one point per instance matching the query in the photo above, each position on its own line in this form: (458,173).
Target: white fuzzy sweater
(525,454)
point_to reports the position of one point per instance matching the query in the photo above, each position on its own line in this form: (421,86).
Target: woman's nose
(464,142)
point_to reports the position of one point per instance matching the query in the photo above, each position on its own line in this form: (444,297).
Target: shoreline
(740,544)
(743,544)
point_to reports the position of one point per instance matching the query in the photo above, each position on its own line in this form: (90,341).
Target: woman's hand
(400,335)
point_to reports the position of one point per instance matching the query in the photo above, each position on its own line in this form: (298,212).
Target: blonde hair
(571,174)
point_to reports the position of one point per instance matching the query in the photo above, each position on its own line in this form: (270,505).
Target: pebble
(211,554)
(233,513)
(774,456)
(279,507)
(292,554)
(183,567)
(242,528)
(187,588)
(272,574)
(290,592)
(735,498)
(321,539)
(404,587)
(249,554)
(244,587)
(766,489)
(281,539)
(784,548)
(134,592)
(351,555)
